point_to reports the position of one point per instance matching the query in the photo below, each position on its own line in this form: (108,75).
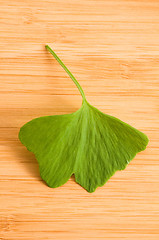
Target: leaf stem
(69,73)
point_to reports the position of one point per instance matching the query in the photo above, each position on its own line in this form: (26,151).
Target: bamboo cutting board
(112,48)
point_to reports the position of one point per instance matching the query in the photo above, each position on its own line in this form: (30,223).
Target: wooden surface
(112,47)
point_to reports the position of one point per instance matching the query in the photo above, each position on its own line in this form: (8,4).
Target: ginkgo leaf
(87,143)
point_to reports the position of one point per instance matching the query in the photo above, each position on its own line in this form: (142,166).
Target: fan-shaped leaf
(87,143)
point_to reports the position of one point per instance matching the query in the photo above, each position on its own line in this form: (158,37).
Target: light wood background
(112,48)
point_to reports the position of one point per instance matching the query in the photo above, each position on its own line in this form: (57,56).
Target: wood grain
(112,47)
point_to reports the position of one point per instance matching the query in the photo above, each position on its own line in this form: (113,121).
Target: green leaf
(87,143)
